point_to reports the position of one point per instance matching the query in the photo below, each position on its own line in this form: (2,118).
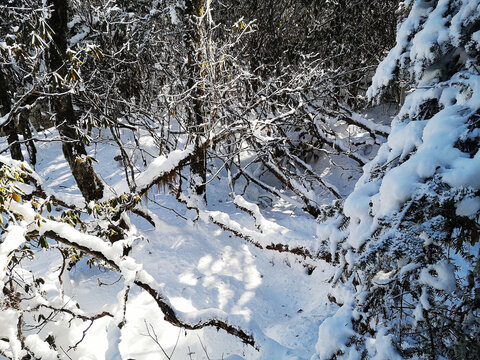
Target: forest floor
(201,268)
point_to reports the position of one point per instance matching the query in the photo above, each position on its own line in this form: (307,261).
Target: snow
(407,268)
(387,66)
(40,348)
(211,260)
(374,125)
(357,208)
(263,224)
(443,278)
(201,271)
(468,206)
(433,31)
(330,231)
(424,300)
(418,313)
(9,317)
(470,10)
(75,20)
(381,348)
(383,278)
(476,38)
(14,237)
(426,239)
(463,172)
(334,332)
(79,36)
(157,168)
(173,14)
(388,239)
(430,146)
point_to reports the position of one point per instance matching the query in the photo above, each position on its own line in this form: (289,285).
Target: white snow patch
(468,206)
(334,332)
(381,348)
(13,239)
(40,348)
(8,330)
(443,277)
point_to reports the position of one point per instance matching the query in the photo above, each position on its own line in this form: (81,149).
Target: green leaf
(43,242)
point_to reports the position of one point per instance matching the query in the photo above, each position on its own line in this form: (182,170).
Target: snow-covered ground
(199,267)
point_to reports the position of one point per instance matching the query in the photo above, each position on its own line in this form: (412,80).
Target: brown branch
(40,192)
(172,318)
(79,316)
(144,215)
(96,254)
(308,169)
(372,132)
(321,135)
(167,310)
(305,253)
(346,115)
(161,178)
(275,169)
(83,336)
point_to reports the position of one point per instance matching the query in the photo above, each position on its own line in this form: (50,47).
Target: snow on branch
(112,256)
(261,240)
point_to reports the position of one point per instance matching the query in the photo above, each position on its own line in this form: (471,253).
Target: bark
(197,120)
(66,120)
(26,131)
(9,128)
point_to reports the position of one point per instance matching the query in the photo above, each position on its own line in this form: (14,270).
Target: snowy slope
(203,271)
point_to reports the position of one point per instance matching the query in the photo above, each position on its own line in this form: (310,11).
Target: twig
(154,337)
(101,283)
(176,343)
(203,347)
(83,336)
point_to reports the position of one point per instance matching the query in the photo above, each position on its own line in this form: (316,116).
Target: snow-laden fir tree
(407,237)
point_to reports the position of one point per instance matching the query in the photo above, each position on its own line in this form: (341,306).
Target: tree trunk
(66,121)
(25,130)
(197,120)
(9,128)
